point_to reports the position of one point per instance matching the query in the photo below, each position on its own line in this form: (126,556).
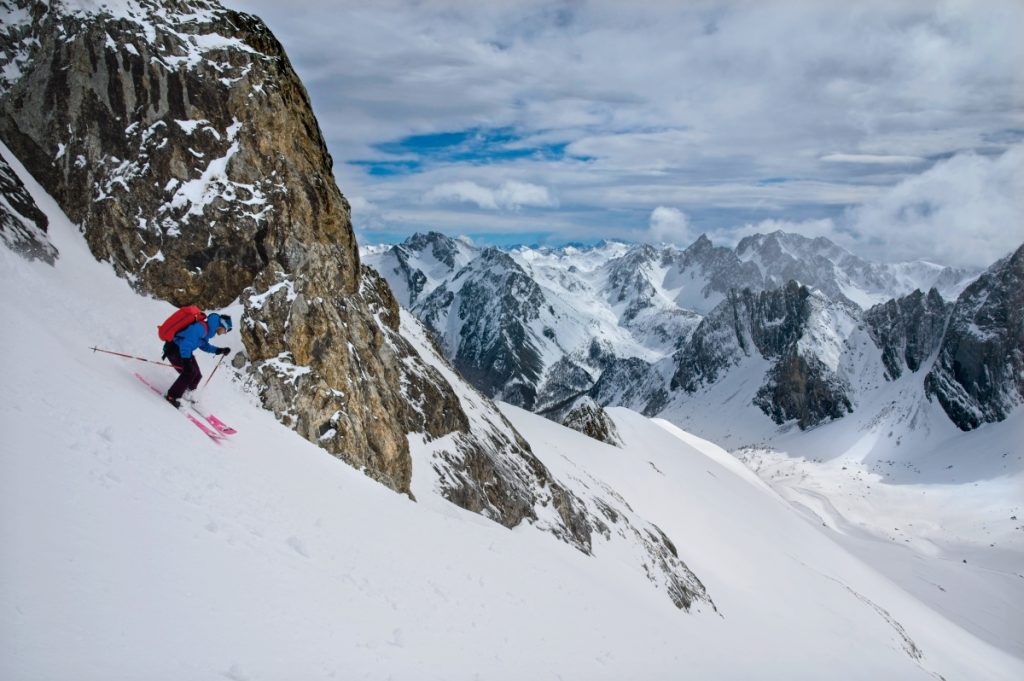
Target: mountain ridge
(619,305)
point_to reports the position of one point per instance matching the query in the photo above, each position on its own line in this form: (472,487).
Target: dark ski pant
(188,371)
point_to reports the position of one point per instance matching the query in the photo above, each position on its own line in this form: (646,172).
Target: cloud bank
(511,195)
(568,120)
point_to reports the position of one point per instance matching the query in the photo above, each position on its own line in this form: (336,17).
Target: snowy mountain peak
(700,246)
(443,249)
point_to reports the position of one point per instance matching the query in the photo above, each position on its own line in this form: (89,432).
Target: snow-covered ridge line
(632,324)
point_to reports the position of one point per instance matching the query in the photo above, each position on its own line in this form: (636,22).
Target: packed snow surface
(135,547)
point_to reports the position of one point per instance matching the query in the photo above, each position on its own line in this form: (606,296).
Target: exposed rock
(614,520)
(418,265)
(908,329)
(632,383)
(790,326)
(802,388)
(979,374)
(820,264)
(204,100)
(490,304)
(565,380)
(588,417)
(22,225)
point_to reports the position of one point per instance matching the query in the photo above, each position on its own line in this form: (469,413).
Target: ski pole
(214,371)
(141,359)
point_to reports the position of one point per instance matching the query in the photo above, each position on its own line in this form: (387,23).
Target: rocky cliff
(978,376)
(180,139)
(792,328)
(908,330)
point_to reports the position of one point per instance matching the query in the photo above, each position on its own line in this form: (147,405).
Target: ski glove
(223,351)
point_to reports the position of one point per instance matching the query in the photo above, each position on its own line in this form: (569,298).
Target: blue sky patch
(474,146)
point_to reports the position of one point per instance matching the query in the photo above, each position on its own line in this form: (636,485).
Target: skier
(179,353)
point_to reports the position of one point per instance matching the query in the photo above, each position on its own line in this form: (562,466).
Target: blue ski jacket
(197,336)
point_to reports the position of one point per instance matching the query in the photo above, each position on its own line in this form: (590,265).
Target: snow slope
(134,547)
(938,510)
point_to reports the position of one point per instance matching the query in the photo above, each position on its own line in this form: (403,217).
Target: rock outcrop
(588,417)
(978,376)
(908,330)
(792,327)
(632,383)
(22,225)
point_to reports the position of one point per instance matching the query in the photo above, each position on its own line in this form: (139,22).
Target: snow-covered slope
(134,547)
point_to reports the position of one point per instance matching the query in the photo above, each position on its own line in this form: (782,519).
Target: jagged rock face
(565,380)
(628,282)
(203,99)
(803,389)
(629,288)
(908,330)
(978,376)
(22,225)
(337,371)
(787,259)
(490,306)
(587,417)
(443,249)
(632,383)
(723,337)
(781,325)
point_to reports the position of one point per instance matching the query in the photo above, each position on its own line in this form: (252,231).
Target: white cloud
(360,205)
(513,194)
(462,192)
(510,195)
(968,211)
(669,225)
(872,158)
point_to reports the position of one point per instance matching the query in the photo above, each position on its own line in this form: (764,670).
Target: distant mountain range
(653,328)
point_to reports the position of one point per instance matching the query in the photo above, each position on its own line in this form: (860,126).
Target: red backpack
(182,317)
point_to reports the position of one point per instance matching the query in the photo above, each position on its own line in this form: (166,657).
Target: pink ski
(220,426)
(211,433)
(214,435)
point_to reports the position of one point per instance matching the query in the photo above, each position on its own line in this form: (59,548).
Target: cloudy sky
(896,128)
